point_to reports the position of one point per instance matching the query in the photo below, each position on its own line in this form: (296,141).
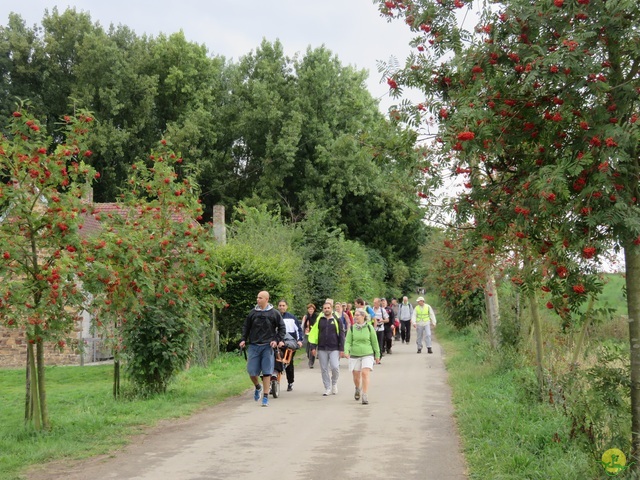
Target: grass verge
(505,433)
(87,421)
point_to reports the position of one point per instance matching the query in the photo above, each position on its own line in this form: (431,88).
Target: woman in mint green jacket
(362,349)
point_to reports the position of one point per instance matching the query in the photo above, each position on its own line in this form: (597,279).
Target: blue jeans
(260,358)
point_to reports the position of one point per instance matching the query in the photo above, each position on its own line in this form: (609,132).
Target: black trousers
(311,358)
(405,330)
(289,369)
(380,336)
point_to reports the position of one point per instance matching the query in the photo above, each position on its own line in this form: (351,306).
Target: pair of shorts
(358,363)
(260,359)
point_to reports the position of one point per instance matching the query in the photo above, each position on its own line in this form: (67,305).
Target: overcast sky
(351,29)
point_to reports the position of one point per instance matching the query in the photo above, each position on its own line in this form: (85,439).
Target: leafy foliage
(40,226)
(303,262)
(41,201)
(260,255)
(149,271)
(457,274)
(596,400)
(538,119)
(158,342)
(336,267)
(293,134)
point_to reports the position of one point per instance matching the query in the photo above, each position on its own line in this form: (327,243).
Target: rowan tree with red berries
(460,274)
(539,102)
(41,205)
(150,272)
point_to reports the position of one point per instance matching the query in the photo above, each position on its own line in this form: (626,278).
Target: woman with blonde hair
(362,349)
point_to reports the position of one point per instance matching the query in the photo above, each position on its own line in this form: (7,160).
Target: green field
(87,421)
(613,295)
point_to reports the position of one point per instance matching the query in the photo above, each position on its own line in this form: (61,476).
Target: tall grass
(505,433)
(87,421)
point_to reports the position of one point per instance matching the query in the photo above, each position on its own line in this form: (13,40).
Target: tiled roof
(92,224)
(98,211)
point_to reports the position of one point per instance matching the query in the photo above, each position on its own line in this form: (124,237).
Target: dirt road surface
(406,432)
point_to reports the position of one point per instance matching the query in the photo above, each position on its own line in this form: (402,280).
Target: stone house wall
(13,351)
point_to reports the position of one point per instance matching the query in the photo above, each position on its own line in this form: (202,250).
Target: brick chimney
(219,227)
(88,196)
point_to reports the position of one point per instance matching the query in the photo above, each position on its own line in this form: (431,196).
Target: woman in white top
(380,317)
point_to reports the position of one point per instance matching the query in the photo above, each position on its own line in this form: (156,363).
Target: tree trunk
(116,378)
(583,333)
(632,261)
(42,391)
(215,339)
(34,398)
(535,318)
(28,412)
(493,311)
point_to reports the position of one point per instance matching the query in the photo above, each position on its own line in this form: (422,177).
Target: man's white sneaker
(334,389)
(327,392)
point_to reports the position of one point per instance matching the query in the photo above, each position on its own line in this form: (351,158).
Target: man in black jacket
(327,340)
(263,330)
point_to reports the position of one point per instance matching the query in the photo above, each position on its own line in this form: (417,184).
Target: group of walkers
(360,332)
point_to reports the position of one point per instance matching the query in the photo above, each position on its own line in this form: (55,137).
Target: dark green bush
(157,345)
(464,309)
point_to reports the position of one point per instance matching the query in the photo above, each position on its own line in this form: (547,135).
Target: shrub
(158,343)
(260,255)
(247,272)
(335,267)
(465,309)
(597,401)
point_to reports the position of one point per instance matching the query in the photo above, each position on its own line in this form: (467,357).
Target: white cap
(420,299)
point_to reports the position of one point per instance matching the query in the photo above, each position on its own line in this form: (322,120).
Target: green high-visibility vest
(422,313)
(314,333)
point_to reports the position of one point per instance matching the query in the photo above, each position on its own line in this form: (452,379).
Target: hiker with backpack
(396,324)
(388,327)
(326,339)
(405,312)
(362,349)
(294,329)
(380,318)
(342,316)
(263,331)
(368,311)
